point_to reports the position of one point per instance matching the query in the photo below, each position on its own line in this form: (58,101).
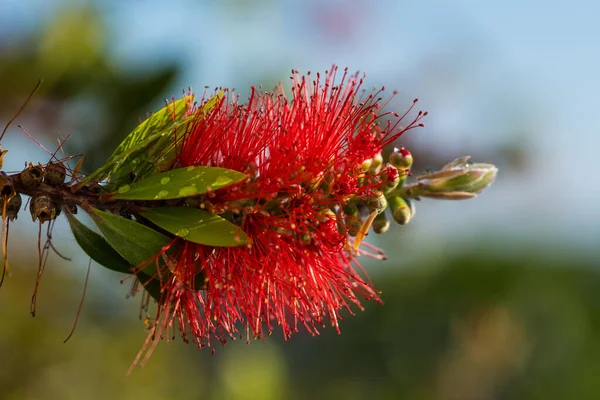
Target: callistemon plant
(239,218)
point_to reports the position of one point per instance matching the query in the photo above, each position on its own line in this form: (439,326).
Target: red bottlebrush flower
(306,159)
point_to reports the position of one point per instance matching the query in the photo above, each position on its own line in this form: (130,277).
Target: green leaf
(163,154)
(197,226)
(100,251)
(178,183)
(152,146)
(135,242)
(134,149)
(97,247)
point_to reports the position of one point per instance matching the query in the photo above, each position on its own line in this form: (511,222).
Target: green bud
(350,208)
(376,163)
(377,203)
(402,179)
(457,180)
(403,210)
(306,238)
(401,158)
(381,223)
(391,177)
(486,179)
(367,164)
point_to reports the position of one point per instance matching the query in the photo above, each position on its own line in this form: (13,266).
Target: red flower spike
(304,159)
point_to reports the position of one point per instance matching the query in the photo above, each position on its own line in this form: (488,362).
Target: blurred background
(494,298)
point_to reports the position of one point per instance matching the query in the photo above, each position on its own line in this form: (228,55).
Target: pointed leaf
(163,154)
(152,146)
(100,251)
(197,226)
(135,242)
(97,247)
(178,183)
(134,149)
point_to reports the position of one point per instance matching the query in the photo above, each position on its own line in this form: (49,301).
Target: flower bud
(350,208)
(43,208)
(401,158)
(457,180)
(13,206)
(367,164)
(377,203)
(390,177)
(403,210)
(32,176)
(381,223)
(55,174)
(376,163)
(306,239)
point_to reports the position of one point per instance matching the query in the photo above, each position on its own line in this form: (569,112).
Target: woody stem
(63,195)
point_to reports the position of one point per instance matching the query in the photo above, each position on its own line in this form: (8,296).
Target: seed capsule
(6,187)
(13,206)
(32,176)
(55,174)
(43,208)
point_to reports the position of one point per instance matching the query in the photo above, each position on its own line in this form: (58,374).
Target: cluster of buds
(392,175)
(238,217)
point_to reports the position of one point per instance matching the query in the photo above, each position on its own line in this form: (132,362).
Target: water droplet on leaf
(124,189)
(222,181)
(161,195)
(183,232)
(188,191)
(165,180)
